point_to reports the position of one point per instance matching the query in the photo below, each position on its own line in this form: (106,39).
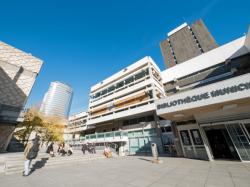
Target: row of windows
(118,85)
(78,122)
(214,74)
(138,120)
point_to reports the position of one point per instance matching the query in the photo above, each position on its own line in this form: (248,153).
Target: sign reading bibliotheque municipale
(205,95)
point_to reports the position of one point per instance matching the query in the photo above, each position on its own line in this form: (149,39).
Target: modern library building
(208,101)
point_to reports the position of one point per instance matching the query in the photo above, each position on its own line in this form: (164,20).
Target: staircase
(14,163)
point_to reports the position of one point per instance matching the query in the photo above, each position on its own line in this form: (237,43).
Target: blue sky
(83,42)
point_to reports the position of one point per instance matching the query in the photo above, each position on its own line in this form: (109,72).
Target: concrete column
(177,141)
(121,149)
(206,144)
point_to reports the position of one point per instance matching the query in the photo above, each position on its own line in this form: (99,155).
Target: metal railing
(100,137)
(107,135)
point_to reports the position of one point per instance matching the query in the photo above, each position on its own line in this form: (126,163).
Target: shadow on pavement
(39,164)
(145,159)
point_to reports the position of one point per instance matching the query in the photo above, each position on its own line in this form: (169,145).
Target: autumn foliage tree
(50,128)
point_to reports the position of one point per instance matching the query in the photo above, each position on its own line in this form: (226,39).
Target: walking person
(83,148)
(50,150)
(30,153)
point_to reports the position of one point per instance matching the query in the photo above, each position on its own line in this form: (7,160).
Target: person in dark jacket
(84,147)
(50,150)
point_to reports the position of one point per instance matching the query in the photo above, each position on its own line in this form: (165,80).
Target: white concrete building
(76,124)
(122,109)
(208,99)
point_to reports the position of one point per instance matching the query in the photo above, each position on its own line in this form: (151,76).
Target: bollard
(155,153)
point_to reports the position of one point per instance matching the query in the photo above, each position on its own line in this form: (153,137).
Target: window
(150,93)
(133,121)
(119,85)
(185,137)
(166,129)
(139,75)
(150,118)
(97,94)
(129,80)
(162,129)
(142,119)
(111,88)
(104,92)
(149,132)
(196,137)
(126,123)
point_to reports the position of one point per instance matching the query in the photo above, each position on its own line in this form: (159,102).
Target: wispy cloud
(208,8)
(203,12)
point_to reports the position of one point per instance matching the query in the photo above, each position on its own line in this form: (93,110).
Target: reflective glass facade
(57,100)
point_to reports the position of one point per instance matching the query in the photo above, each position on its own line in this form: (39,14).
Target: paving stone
(132,171)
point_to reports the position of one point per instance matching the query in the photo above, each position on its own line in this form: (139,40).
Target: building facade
(18,72)
(76,125)
(186,42)
(57,100)
(208,100)
(122,110)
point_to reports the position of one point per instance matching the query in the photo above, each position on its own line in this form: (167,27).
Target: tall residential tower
(186,42)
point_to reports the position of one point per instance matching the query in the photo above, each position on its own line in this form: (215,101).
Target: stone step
(19,169)
(10,164)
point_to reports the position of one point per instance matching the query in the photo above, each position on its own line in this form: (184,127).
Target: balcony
(122,91)
(124,112)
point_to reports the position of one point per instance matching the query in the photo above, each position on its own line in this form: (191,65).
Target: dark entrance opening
(221,144)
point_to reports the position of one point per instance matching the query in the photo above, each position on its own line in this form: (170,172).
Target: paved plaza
(137,171)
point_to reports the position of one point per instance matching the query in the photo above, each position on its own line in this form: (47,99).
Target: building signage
(206,95)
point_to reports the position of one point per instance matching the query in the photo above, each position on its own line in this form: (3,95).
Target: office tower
(186,42)
(57,100)
(18,72)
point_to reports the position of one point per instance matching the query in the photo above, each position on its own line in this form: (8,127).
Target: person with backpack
(30,152)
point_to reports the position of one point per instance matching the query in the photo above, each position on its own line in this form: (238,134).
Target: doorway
(221,144)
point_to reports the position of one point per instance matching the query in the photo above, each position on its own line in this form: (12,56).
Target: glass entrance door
(240,140)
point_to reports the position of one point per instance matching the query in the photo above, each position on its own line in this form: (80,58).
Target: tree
(50,128)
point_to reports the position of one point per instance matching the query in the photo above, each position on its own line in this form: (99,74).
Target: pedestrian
(50,150)
(93,148)
(61,149)
(30,152)
(107,153)
(70,150)
(83,148)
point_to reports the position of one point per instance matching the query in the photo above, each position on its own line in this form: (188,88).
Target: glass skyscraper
(57,100)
